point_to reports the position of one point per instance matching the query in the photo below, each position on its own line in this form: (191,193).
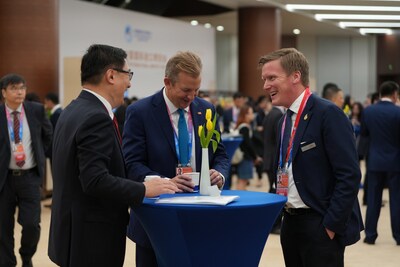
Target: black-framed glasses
(129,72)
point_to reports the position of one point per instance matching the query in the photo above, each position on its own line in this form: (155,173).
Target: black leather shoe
(369,242)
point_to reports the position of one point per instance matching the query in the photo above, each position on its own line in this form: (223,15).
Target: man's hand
(216,178)
(330,233)
(183,182)
(158,186)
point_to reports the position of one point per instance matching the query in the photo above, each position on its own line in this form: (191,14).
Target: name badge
(183,169)
(282,182)
(19,153)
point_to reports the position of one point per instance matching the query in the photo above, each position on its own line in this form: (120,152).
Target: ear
(296,76)
(109,76)
(167,82)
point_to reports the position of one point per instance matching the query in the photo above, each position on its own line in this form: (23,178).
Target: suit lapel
(303,123)
(30,119)
(4,130)
(93,100)
(161,116)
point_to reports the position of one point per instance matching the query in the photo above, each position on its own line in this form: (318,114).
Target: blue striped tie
(183,138)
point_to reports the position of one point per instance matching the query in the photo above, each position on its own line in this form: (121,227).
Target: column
(259,32)
(29,46)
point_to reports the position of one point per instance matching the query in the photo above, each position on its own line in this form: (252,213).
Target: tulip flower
(207,132)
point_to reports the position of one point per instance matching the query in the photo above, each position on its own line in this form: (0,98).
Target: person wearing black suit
(53,108)
(91,190)
(381,125)
(230,115)
(270,127)
(25,134)
(316,166)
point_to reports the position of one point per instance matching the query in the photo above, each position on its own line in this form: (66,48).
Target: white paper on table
(202,200)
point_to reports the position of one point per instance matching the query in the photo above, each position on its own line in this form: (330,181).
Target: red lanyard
(307,94)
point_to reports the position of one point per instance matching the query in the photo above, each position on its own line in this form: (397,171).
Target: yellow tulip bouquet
(207,132)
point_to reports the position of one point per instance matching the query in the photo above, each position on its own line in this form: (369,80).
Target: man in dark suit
(381,125)
(270,128)
(151,140)
(52,105)
(317,166)
(91,190)
(230,115)
(25,134)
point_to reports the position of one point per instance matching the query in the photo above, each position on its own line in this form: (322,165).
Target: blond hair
(187,62)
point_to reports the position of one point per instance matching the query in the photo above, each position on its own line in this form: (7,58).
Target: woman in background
(250,157)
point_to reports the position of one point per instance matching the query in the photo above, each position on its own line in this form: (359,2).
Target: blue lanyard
(10,123)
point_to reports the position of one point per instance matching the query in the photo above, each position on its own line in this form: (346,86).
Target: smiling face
(183,91)
(280,85)
(122,83)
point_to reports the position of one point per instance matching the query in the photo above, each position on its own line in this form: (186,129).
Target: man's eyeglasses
(16,88)
(129,72)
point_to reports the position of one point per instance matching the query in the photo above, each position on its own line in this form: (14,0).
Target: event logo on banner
(138,34)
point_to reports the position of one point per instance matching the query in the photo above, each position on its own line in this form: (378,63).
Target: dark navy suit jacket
(149,146)
(381,123)
(325,168)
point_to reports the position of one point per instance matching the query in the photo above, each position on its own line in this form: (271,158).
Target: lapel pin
(305,117)
(199,113)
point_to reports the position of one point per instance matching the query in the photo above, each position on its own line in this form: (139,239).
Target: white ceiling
(303,20)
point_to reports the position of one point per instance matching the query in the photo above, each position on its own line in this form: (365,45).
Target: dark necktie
(17,139)
(286,134)
(117,129)
(183,136)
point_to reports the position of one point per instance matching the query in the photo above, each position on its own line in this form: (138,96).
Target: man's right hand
(158,186)
(183,182)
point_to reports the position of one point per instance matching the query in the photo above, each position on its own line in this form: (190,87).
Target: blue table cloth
(206,235)
(231,143)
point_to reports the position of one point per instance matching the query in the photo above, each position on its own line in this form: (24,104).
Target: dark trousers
(305,242)
(376,184)
(145,257)
(22,192)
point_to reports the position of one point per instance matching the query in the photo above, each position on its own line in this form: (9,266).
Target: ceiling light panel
(291,7)
(356,17)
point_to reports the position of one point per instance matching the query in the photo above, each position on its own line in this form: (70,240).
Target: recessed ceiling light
(220,28)
(296,31)
(194,22)
(207,25)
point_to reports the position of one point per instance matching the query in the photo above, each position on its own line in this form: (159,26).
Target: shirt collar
(170,105)
(386,99)
(55,108)
(104,101)
(19,109)
(296,104)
